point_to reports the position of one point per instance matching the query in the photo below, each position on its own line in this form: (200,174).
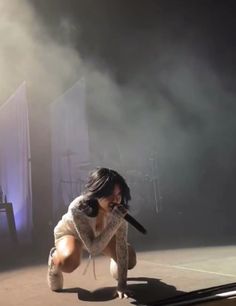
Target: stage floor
(158,275)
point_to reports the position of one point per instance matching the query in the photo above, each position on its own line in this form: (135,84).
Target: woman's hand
(120,210)
(123,293)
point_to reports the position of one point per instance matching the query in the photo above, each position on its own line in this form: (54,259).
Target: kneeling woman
(95,222)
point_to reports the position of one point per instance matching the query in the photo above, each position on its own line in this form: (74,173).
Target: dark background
(160,81)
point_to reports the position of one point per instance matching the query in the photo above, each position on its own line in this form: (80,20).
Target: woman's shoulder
(75,208)
(76,202)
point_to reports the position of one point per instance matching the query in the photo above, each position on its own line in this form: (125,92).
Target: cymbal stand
(155,183)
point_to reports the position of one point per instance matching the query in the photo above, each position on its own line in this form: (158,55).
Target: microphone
(130,219)
(135,224)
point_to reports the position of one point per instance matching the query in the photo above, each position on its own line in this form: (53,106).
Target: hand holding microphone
(122,212)
(119,209)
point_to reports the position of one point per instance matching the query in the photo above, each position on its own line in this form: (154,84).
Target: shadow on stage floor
(144,291)
(14,255)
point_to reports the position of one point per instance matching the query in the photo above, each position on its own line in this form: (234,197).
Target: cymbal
(134,173)
(84,166)
(69,153)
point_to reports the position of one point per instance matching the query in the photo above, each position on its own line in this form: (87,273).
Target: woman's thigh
(110,251)
(68,253)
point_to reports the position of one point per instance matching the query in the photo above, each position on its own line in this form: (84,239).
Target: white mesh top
(75,222)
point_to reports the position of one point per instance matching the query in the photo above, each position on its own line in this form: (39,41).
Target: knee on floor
(132,260)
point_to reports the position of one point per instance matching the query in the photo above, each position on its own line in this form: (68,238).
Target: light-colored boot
(54,275)
(114,269)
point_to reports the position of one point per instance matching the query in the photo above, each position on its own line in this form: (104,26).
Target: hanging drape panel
(15,171)
(70,147)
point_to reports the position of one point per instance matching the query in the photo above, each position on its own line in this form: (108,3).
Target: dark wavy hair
(101,183)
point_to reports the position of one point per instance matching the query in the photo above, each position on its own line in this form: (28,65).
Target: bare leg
(110,251)
(68,253)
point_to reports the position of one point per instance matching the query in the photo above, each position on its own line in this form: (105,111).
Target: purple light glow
(15,176)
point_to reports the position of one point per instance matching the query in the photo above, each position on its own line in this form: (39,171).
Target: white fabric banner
(15,171)
(70,147)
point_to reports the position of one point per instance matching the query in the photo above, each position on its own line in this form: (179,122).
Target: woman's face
(107,203)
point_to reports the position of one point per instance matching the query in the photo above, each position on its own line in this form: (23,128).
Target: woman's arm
(122,255)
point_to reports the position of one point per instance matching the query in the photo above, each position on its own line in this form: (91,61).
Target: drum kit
(144,185)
